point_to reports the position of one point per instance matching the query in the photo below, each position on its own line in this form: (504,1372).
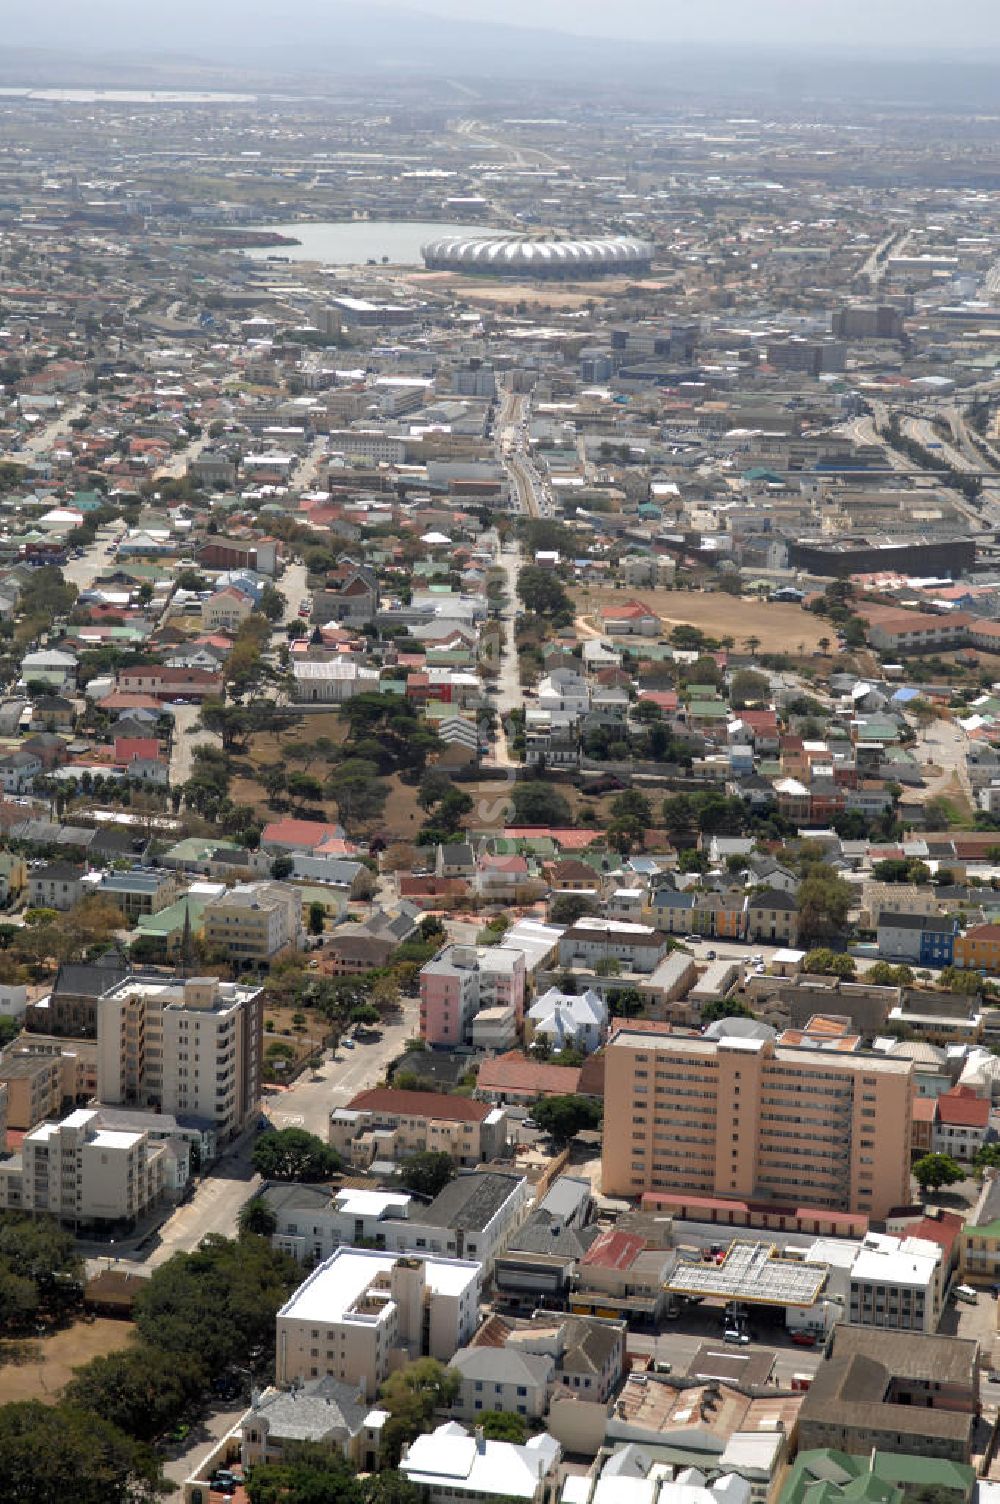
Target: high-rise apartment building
(191,1047)
(752,1118)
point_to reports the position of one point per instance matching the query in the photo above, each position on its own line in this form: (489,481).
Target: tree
(540,804)
(411,1395)
(282,867)
(725,1007)
(953,979)
(504,1425)
(831,963)
(317,917)
(681,821)
(823,901)
(257,1218)
(632,805)
(936,1170)
(569,907)
(57,1452)
(390,1486)
(136,1391)
(748,688)
(293,1154)
(217,1306)
(428,1173)
(563,1117)
(986,1157)
(308,1473)
(365,1014)
(885,975)
(542,591)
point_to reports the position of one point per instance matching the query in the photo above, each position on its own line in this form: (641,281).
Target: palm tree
(824,645)
(751,644)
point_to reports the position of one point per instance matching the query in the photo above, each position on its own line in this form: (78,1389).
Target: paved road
(292,585)
(309,1102)
(83,572)
(205,1437)
(509,696)
(46,437)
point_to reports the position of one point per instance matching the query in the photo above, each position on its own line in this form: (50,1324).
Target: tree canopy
(294,1154)
(217,1305)
(57,1452)
(427,1173)
(566,1116)
(308,1473)
(936,1170)
(411,1395)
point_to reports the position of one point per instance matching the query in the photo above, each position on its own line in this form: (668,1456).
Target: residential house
(629,618)
(18,771)
(962,1123)
(55,885)
(772,917)
(567,1020)
(917,939)
(451,1467)
(979,948)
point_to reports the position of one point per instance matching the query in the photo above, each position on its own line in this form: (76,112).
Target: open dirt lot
(497,292)
(779,627)
(37,1368)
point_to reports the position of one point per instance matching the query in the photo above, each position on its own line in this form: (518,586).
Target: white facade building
(452,1465)
(189,1047)
(897,1283)
(568,1019)
(81,1171)
(361,1310)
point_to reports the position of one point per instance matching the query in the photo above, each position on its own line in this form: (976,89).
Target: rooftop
(753,1273)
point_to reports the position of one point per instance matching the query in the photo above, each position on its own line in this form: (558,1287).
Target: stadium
(528,256)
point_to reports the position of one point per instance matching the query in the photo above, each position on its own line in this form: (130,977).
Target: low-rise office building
(361,1310)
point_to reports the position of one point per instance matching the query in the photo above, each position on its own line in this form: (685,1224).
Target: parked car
(804,1339)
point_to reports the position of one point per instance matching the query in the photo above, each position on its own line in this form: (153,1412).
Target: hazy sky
(907,25)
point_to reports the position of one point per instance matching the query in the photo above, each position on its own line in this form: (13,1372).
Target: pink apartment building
(460,982)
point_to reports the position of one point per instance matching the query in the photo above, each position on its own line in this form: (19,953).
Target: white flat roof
(335,1285)
(360,1203)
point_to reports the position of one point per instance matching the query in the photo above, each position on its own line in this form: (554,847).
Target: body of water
(353,242)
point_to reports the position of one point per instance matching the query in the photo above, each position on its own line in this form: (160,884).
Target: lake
(353,242)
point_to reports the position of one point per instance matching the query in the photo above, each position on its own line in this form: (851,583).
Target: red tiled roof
(942,1229)
(963,1108)
(298,832)
(924,1109)
(514,1072)
(118,700)
(420,1104)
(127,747)
(625,611)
